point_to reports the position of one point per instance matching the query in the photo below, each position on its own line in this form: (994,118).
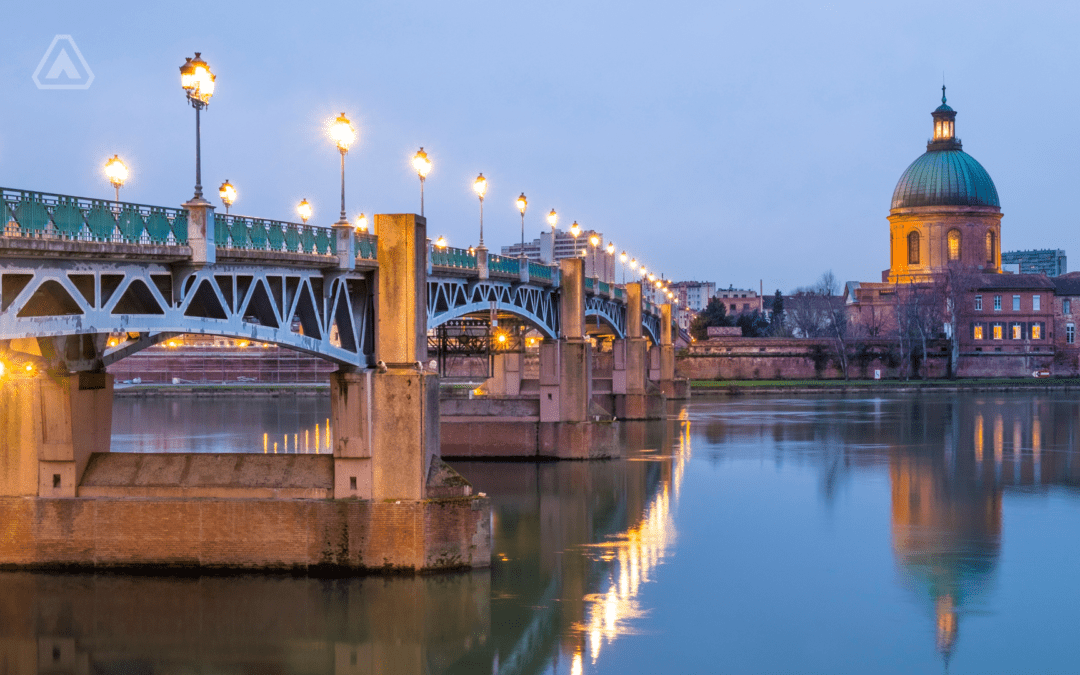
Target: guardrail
(456,258)
(367,246)
(502,265)
(540,271)
(260,234)
(50,216)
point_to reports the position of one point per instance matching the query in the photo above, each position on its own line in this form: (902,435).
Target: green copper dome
(945,175)
(945,178)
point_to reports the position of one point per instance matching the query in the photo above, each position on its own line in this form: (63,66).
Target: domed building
(945,210)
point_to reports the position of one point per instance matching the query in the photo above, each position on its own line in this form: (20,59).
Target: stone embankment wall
(213,365)
(800,359)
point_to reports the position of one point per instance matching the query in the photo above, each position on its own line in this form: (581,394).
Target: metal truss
(610,312)
(323,313)
(450,299)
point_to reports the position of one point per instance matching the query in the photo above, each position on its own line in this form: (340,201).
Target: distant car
(1041,373)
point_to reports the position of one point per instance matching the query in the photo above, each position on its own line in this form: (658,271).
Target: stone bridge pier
(635,397)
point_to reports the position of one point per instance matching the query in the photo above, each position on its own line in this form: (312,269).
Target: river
(891,533)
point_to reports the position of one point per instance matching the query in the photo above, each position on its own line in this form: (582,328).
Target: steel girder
(612,313)
(323,313)
(457,298)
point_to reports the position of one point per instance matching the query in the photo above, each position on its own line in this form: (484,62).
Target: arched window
(913,248)
(954,245)
(991,258)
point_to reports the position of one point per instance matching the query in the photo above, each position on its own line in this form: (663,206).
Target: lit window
(1016,332)
(990,258)
(997,303)
(1036,331)
(1070,333)
(1016,303)
(978,331)
(1066,307)
(978,303)
(998,332)
(1036,302)
(954,245)
(913,248)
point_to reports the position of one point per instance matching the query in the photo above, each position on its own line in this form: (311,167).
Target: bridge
(74,271)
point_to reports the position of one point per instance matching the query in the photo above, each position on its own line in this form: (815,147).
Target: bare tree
(956,287)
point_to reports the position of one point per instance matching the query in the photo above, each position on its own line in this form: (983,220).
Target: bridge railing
(542,273)
(503,265)
(367,247)
(261,234)
(49,216)
(454,258)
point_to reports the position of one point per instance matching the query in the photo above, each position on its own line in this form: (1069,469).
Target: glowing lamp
(342,133)
(116,171)
(440,242)
(361,224)
(575,229)
(611,248)
(421,163)
(304,209)
(480,186)
(228,194)
(552,218)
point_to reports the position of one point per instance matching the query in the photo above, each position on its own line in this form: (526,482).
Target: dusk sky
(720,141)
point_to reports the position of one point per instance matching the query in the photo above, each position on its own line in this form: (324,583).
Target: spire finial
(943,94)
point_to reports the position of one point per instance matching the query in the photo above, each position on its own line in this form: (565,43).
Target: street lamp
(198,82)
(575,230)
(228,194)
(304,209)
(361,224)
(611,257)
(622,262)
(594,241)
(553,219)
(440,242)
(480,187)
(343,134)
(117,172)
(422,165)
(521,204)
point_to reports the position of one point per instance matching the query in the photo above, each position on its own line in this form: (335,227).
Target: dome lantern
(944,127)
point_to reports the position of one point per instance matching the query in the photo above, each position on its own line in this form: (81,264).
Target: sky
(734,142)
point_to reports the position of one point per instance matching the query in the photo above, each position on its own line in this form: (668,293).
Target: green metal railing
(260,234)
(605,288)
(503,265)
(49,216)
(620,293)
(367,246)
(588,284)
(457,258)
(541,272)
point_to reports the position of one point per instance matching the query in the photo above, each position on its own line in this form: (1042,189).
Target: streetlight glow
(522,203)
(479,186)
(440,242)
(552,218)
(228,194)
(611,248)
(304,209)
(117,172)
(361,224)
(342,132)
(198,82)
(422,165)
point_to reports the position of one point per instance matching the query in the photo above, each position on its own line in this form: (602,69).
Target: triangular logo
(63,66)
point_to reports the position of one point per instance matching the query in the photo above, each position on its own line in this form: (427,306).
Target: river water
(912,533)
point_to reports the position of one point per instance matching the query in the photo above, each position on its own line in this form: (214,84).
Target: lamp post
(521,204)
(198,82)
(304,209)
(622,264)
(422,165)
(611,260)
(594,241)
(553,219)
(117,172)
(480,187)
(575,230)
(343,135)
(361,224)
(228,194)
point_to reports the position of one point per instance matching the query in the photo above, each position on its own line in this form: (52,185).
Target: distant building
(553,246)
(1050,262)
(694,295)
(739,300)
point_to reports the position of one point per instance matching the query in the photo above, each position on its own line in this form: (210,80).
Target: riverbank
(748,387)
(229,389)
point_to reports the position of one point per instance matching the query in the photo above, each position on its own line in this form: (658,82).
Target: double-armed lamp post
(198,82)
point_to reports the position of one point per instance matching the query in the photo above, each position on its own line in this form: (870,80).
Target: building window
(1066,307)
(1036,331)
(954,245)
(1017,332)
(978,332)
(913,248)
(997,303)
(978,303)
(1016,303)
(998,332)
(990,247)
(1036,303)
(1070,333)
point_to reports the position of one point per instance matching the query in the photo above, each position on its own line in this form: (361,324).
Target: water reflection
(950,461)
